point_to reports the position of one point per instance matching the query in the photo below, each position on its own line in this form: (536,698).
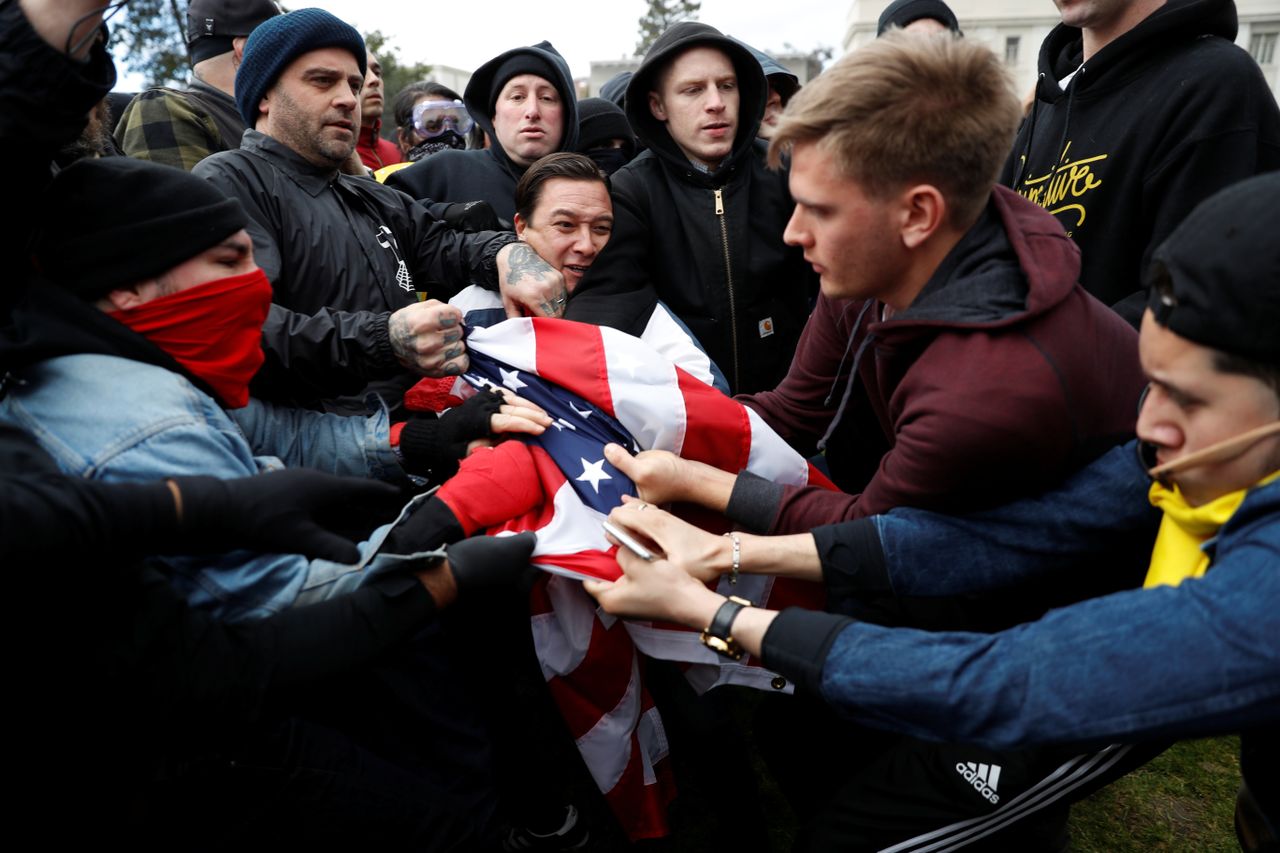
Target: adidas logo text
(983,778)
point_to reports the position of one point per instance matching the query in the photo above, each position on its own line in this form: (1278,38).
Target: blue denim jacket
(114,419)
(1200,658)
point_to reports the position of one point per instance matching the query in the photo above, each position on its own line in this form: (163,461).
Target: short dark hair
(562,164)
(402,107)
(1229,362)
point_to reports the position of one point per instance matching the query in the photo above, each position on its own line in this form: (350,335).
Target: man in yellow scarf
(1195,652)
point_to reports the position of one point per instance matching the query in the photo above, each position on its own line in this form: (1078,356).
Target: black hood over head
(487,81)
(752,88)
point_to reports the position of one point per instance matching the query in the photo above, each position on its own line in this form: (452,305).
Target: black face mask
(609,160)
(447,139)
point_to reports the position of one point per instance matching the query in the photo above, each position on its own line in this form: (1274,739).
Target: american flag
(600,385)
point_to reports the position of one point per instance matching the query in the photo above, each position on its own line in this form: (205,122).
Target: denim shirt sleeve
(1102,509)
(1197,659)
(338,444)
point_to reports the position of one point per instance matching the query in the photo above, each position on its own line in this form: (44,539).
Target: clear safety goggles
(432,118)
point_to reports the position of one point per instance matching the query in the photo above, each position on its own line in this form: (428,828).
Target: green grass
(1183,800)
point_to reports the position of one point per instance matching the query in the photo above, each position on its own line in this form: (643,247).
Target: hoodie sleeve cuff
(382,354)
(754,502)
(498,240)
(797,643)
(852,558)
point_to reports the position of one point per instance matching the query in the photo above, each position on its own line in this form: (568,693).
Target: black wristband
(718,635)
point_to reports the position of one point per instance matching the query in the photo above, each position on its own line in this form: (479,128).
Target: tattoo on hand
(452,352)
(524,261)
(453,370)
(451,337)
(447,320)
(401,338)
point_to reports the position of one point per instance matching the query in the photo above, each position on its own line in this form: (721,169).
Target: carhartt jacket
(709,244)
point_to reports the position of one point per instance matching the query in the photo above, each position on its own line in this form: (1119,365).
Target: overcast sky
(466,34)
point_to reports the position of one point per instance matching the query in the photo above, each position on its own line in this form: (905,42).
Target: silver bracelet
(737,558)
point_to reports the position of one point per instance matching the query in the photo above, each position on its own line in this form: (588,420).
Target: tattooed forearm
(524,261)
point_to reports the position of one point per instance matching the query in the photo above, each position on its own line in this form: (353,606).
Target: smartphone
(628,541)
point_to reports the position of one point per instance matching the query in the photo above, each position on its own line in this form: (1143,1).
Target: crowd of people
(288,364)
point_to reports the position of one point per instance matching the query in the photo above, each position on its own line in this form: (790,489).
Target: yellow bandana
(1184,528)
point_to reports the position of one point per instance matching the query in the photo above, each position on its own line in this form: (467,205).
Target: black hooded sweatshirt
(1154,123)
(488,175)
(709,244)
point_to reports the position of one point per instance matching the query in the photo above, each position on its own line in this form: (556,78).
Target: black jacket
(1160,119)
(487,175)
(342,254)
(709,244)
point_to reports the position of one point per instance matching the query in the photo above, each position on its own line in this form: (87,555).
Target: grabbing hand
(528,284)
(432,446)
(660,476)
(700,554)
(426,337)
(298,511)
(487,562)
(493,485)
(649,589)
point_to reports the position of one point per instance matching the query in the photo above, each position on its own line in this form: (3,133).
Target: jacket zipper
(728,274)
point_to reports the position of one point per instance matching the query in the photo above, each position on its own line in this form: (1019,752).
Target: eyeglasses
(432,118)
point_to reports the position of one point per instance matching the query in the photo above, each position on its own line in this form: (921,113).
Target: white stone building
(1014,29)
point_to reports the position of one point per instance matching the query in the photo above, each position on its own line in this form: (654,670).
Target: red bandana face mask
(213,330)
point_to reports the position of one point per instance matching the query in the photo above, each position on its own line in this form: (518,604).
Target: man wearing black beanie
(350,260)
(181,127)
(525,102)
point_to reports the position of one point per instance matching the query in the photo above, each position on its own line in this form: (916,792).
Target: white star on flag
(583,413)
(628,362)
(593,473)
(511,378)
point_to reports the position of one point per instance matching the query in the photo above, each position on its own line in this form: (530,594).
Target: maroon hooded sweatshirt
(1001,377)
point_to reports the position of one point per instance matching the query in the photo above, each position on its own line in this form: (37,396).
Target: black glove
(486,562)
(431,447)
(284,512)
(471,216)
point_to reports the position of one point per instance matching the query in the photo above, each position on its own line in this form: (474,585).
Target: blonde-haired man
(952,362)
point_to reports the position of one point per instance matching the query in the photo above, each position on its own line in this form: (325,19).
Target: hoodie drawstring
(1031,132)
(1066,125)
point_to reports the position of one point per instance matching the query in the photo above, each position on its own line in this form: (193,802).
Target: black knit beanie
(1216,279)
(117,221)
(279,41)
(522,63)
(600,120)
(899,13)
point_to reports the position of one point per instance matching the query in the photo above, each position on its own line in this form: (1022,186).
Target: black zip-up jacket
(1159,120)
(710,245)
(487,175)
(342,254)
